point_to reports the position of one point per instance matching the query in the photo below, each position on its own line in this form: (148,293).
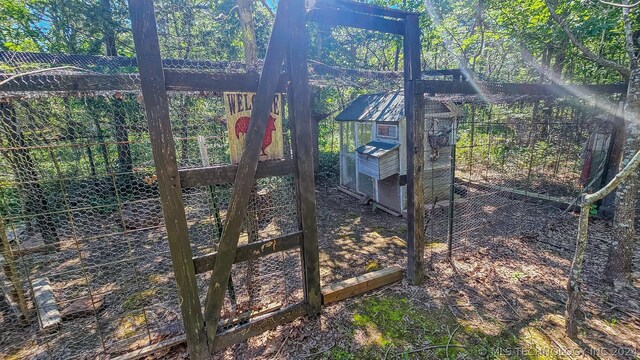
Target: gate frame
(288,43)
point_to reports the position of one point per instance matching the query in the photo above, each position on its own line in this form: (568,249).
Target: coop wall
(82,213)
(518,159)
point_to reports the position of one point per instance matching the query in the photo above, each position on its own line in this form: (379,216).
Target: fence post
(414,114)
(156,103)
(303,144)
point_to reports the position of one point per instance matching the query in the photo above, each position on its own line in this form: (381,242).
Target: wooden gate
(204,331)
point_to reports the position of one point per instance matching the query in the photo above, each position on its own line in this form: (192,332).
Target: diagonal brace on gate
(245,176)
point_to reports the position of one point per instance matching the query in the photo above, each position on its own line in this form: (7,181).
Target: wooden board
(251,251)
(48,313)
(414,115)
(336,17)
(302,143)
(360,284)
(225,174)
(245,176)
(156,103)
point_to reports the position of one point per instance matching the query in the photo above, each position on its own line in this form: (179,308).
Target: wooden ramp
(360,284)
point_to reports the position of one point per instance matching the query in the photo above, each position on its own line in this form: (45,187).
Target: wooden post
(156,103)
(303,143)
(9,268)
(414,108)
(452,190)
(246,173)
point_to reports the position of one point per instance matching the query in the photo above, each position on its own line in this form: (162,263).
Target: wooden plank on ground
(226,174)
(360,284)
(45,301)
(251,251)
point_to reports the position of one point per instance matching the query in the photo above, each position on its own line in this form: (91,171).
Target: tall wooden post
(414,108)
(303,144)
(156,103)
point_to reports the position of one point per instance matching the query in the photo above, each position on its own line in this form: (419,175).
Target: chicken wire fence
(86,265)
(519,166)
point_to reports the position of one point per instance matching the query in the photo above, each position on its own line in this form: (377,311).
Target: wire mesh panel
(86,265)
(515,159)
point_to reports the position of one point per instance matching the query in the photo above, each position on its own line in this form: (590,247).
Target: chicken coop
(373,150)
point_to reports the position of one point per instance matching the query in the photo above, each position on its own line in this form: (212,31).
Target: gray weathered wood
(175,80)
(362,7)
(164,154)
(225,339)
(336,17)
(415,152)
(216,82)
(258,326)
(247,168)
(551,90)
(46,306)
(225,174)
(251,251)
(302,141)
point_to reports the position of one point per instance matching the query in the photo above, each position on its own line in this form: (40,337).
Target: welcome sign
(238,107)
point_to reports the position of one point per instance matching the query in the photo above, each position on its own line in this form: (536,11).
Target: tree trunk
(620,262)
(34,199)
(121,134)
(245,11)
(109,36)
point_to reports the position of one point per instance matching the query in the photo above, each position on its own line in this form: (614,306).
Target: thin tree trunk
(628,173)
(245,11)
(35,201)
(109,37)
(121,134)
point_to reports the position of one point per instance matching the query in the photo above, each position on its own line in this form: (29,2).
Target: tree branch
(624,6)
(628,170)
(585,51)
(628,35)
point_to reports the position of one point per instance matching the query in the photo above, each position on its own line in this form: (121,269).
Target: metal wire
(80,205)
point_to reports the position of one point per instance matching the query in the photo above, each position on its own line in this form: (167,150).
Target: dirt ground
(501,297)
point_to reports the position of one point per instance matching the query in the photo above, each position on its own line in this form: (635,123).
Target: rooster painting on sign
(238,113)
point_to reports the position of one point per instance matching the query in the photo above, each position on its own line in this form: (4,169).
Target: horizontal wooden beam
(251,251)
(226,174)
(235,335)
(362,7)
(70,82)
(151,349)
(486,88)
(174,81)
(360,284)
(258,326)
(555,201)
(216,82)
(87,61)
(337,17)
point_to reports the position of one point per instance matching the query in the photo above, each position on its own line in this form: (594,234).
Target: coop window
(387,131)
